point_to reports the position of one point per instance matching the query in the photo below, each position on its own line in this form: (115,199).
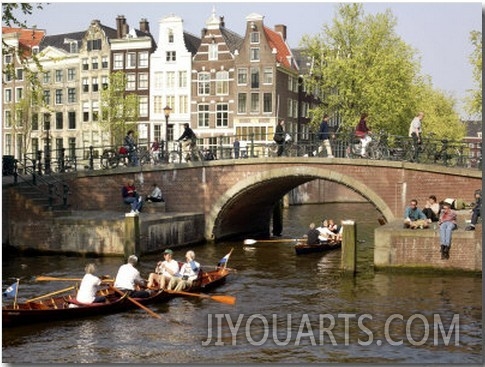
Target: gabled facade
(131,51)
(20,45)
(214,81)
(170,79)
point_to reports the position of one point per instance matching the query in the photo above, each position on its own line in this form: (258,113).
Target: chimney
(203,32)
(144,26)
(223,24)
(281,29)
(119,26)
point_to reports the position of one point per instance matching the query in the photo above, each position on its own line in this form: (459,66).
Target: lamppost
(167,111)
(47,153)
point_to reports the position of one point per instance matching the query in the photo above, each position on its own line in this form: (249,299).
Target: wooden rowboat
(302,248)
(66,307)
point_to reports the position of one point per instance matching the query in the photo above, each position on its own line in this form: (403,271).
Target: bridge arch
(249,203)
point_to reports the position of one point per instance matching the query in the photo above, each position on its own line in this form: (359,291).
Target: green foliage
(474,100)
(119,110)
(8,13)
(360,64)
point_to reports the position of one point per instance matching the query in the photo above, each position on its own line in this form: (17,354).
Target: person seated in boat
(129,279)
(334,227)
(188,273)
(312,235)
(325,233)
(89,286)
(164,271)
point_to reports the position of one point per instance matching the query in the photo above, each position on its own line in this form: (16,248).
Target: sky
(438,31)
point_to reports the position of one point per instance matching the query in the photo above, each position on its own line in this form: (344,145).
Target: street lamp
(167,111)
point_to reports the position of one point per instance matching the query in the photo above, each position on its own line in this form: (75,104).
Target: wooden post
(349,247)
(132,235)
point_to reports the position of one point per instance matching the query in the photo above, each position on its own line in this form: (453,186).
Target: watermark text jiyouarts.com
(340,329)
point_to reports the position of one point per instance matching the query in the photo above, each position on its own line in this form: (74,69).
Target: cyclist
(130,146)
(363,132)
(188,138)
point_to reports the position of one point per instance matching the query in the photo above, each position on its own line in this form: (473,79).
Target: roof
(61,41)
(232,39)
(283,52)
(192,42)
(27,37)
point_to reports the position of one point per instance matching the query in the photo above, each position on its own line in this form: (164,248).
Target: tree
(119,110)
(361,65)
(473,103)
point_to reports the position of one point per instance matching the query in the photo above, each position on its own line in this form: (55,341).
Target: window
(170,36)
(254,54)
(213,51)
(19,118)
(85,111)
(35,145)
(71,117)
(268,76)
(104,62)
(94,44)
(170,56)
(73,48)
(35,121)
(47,121)
(158,80)
(157,104)
(182,79)
(95,110)
(203,115)
(170,79)
(130,81)
(143,59)
(131,60)
(85,85)
(267,103)
(254,78)
(47,77)
(8,95)
(59,121)
(58,76)
(8,143)
(95,85)
(104,82)
(242,76)
(143,81)
(254,102)
(8,119)
(118,61)
(94,63)
(143,105)
(8,59)
(71,74)
(170,101)
(222,83)
(58,96)
(254,37)
(242,103)
(183,104)
(203,84)
(47,97)
(85,64)
(19,93)
(222,115)
(71,95)
(20,74)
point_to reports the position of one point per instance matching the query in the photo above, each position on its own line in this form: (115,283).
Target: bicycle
(192,154)
(290,148)
(111,158)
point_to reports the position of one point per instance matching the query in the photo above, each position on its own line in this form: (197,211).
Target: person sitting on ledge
(414,217)
(432,209)
(156,195)
(476,211)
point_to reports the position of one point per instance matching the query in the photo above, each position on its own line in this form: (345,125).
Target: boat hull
(303,248)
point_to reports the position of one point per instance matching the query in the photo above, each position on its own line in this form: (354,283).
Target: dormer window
(35,50)
(213,51)
(254,37)
(170,36)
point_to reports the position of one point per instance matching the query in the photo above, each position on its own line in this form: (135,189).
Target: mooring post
(132,235)
(349,247)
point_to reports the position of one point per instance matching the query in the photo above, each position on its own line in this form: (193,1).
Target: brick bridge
(237,197)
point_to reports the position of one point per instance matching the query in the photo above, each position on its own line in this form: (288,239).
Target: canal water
(290,309)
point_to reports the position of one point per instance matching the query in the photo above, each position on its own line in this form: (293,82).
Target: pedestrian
(279,137)
(130,145)
(415,132)
(236,148)
(324,136)
(155,151)
(362,131)
(447,224)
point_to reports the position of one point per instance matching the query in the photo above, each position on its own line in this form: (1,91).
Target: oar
(229,300)
(252,242)
(136,303)
(51,294)
(45,278)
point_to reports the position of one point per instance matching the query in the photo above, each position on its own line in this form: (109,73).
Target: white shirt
(171,265)
(156,193)
(87,289)
(415,126)
(325,233)
(187,271)
(127,276)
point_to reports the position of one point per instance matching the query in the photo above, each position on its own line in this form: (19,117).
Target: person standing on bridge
(362,131)
(279,137)
(324,136)
(415,132)
(447,224)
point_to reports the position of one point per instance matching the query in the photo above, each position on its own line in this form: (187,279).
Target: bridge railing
(344,145)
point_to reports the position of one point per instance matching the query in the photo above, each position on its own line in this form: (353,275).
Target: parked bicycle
(112,158)
(290,148)
(376,149)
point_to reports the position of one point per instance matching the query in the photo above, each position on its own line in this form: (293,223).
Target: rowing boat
(302,248)
(66,307)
